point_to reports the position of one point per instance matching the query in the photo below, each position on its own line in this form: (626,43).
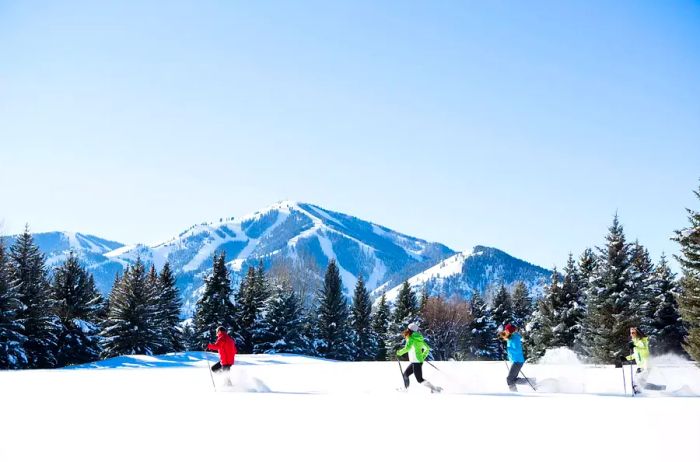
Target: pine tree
(250,300)
(689,297)
(130,328)
(542,328)
(334,335)
(12,339)
(522,304)
(668,327)
(41,326)
(281,329)
(167,314)
(572,308)
(587,265)
(502,307)
(215,307)
(189,342)
(75,299)
(482,342)
(610,311)
(364,339)
(380,326)
(406,311)
(642,280)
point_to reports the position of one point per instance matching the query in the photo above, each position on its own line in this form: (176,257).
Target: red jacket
(226,347)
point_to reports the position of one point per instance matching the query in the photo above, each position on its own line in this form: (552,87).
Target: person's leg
(511,380)
(226,370)
(418,371)
(406,374)
(216,366)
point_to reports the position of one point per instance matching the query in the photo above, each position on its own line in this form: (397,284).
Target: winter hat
(510,328)
(413,327)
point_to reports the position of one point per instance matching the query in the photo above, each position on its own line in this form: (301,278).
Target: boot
(433,388)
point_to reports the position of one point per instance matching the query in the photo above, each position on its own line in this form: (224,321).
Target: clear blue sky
(521,125)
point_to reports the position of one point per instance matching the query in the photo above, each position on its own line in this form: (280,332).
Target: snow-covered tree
(572,308)
(406,311)
(250,303)
(502,307)
(334,339)
(380,326)
(41,325)
(130,327)
(167,311)
(364,338)
(689,297)
(12,339)
(542,328)
(281,328)
(642,282)
(75,299)
(668,329)
(215,307)
(610,311)
(483,343)
(522,304)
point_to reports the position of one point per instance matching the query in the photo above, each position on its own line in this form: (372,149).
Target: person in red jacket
(226,347)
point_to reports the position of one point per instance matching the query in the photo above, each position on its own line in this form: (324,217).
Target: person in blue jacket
(514,348)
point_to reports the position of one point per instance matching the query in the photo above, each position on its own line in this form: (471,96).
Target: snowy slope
(165,409)
(479,269)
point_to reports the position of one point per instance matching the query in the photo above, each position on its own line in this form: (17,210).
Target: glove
(205,346)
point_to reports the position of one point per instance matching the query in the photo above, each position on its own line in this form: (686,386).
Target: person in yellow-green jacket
(417,351)
(640,356)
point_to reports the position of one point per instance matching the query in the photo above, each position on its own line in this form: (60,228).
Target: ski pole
(634,392)
(624,379)
(402,376)
(528,380)
(206,356)
(432,365)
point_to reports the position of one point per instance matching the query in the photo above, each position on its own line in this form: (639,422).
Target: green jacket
(641,351)
(416,348)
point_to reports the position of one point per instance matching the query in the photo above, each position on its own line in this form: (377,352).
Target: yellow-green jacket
(416,348)
(641,351)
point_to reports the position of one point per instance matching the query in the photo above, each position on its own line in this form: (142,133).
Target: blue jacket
(515,348)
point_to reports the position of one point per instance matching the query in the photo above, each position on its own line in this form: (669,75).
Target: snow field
(165,409)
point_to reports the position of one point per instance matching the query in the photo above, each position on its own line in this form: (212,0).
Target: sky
(520,125)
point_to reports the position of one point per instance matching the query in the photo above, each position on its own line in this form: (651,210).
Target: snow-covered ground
(296,408)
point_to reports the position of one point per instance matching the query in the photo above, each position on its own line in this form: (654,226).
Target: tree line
(59,319)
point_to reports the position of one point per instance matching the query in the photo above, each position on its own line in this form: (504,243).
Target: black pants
(218,366)
(416,369)
(512,378)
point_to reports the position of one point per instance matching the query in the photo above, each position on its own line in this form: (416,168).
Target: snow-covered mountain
(91,250)
(297,232)
(479,269)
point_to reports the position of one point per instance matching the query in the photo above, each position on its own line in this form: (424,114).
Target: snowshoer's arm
(406,349)
(216,346)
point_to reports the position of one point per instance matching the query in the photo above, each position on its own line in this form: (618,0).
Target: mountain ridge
(285,231)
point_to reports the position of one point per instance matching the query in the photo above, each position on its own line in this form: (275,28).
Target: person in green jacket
(640,355)
(417,351)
